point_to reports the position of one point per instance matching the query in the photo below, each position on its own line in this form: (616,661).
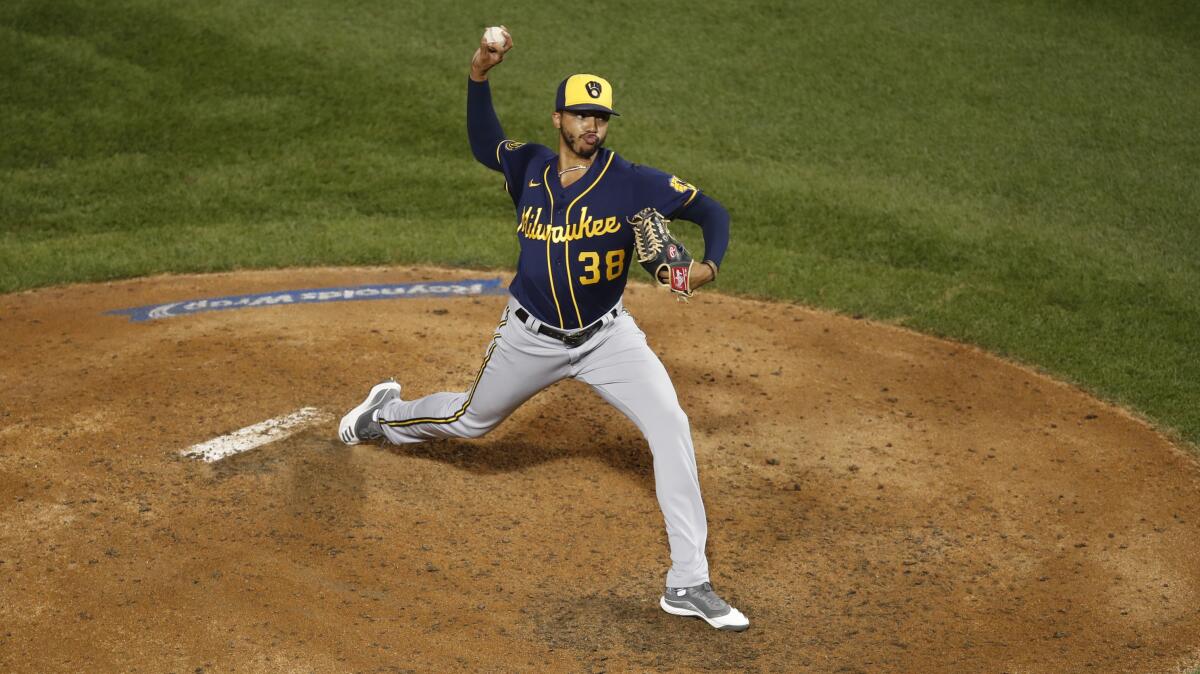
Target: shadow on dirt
(511,454)
(635,627)
(541,432)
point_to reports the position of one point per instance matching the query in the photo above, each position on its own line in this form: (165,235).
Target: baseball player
(564,318)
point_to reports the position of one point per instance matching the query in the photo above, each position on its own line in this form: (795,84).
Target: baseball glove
(657,251)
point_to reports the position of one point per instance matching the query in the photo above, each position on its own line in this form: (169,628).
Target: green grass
(1018,175)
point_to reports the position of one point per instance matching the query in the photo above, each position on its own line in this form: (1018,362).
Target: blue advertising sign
(422,289)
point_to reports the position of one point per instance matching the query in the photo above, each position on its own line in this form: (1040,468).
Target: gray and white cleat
(702,602)
(359,424)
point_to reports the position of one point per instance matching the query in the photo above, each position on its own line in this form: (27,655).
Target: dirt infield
(879,501)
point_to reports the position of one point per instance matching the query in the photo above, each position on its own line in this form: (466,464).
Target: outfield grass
(1024,176)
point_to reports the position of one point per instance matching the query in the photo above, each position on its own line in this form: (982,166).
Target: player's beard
(573,142)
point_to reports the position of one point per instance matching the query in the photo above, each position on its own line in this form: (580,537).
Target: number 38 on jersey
(614,264)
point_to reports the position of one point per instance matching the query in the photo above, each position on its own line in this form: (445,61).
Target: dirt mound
(878,500)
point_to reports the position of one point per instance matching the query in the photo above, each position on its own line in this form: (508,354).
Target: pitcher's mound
(878,500)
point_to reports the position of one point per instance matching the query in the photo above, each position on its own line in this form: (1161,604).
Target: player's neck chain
(580,167)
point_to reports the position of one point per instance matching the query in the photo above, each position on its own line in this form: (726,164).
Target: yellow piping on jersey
(549,268)
(589,189)
(694,193)
(567,244)
(510,145)
(571,282)
(471,395)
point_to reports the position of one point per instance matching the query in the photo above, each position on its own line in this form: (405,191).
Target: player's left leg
(623,369)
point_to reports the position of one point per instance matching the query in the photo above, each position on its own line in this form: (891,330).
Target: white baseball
(494,36)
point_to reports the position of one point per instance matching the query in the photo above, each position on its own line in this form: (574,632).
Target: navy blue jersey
(576,242)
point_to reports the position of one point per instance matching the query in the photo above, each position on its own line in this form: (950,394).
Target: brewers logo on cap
(585,92)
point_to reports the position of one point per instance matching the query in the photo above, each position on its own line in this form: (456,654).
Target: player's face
(583,131)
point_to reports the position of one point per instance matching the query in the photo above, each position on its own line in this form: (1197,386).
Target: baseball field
(944,394)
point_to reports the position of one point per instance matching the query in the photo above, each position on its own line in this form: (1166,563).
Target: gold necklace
(580,167)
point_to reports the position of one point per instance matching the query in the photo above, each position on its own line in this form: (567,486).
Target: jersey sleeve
(662,191)
(483,127)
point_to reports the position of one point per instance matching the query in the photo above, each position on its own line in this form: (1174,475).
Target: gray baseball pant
(619,365)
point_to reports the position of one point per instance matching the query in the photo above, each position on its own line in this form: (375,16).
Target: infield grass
(1024,176)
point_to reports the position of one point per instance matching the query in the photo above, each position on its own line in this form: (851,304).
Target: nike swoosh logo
(533,184)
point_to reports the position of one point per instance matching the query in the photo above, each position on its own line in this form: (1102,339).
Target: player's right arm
(483,127)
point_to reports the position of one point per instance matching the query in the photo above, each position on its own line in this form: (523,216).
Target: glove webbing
(648,243)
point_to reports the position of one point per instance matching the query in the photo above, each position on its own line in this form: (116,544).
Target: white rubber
(733,621)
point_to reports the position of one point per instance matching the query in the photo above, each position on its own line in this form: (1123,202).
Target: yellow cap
(585,92)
